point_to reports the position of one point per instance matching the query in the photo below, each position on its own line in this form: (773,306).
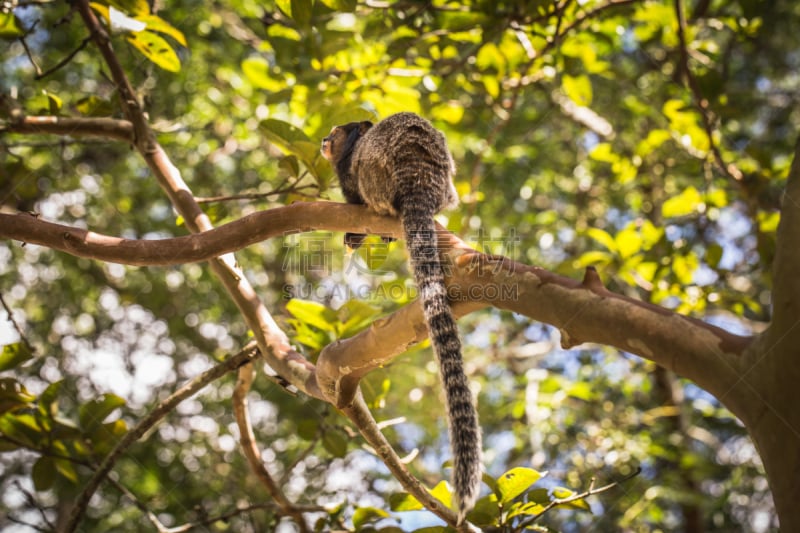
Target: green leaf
(403,501)
(713,255)
(48,400)
(132,7)
(309,336)
(647,270)
(291,140)
(684,267)
(43,473)
(525,509)
(629,241)
(363,515)
(285,6)
(307,428)
(594,258)
(604,152)
(156,49)
(66,469)
(686,203)
(515,482)
(768,221)
(486,512)
(301,11)
(334,441)
(105,436)
(156,23)
(684,122)
(374,252)
(94,106)
(582,390)
(10,26)
(282,133)
(717,197)
(257,70)
(13,395)
(45,103)
(603,237)
(14,355)
(92,413)
(655,138)
(578,89)
(348,6)
(540,496)
(490,481)
(298,10)
(562,493)
(312,313)
(442,493)
(290,165)
(22,428)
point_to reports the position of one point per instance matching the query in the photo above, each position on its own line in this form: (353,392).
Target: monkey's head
(339,144)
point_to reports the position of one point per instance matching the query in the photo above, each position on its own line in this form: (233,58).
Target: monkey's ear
(364,126)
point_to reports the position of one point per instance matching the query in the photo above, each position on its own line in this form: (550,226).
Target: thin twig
(28,53)
(26,524)
(253,196)
(39,75)
(161,528)
(208,520)
(33,503)
(301,457)
(582,496)
(706,114)
(152,418)
(16,326)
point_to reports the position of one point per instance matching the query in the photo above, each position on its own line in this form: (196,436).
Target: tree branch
(362,418)
(583,311)
(253,228)
(121,130)
(152,418)
(247,439)
(592,491)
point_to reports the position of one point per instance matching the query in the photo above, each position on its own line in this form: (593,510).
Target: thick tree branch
(583,311)
(771,367)
(300,217)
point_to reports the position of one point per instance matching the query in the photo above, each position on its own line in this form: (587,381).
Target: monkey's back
(417,164)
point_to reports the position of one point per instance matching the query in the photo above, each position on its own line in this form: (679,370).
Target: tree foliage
(648,139)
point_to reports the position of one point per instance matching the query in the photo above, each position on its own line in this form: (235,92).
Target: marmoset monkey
(401,166)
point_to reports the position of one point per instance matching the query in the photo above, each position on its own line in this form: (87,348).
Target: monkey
(402,166)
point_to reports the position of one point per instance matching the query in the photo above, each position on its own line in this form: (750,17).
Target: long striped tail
(465,435)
